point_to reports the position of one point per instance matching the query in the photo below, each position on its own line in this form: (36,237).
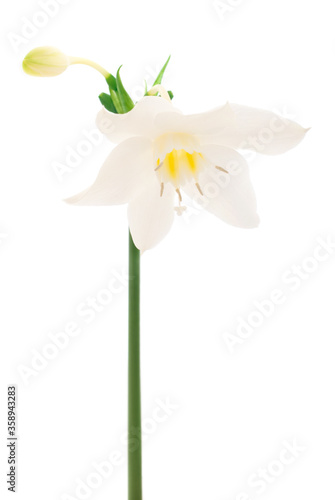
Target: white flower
(162,154)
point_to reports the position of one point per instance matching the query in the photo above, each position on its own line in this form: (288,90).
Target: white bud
(45,61)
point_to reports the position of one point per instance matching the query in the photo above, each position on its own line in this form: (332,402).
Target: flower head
(45,61)
(163,155)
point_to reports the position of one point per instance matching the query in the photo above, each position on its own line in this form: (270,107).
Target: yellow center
(179,166)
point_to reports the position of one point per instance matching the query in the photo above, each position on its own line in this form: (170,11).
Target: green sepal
(159,78)
(170,94)
(107,102)
(124,98)
(111,81)
(116,102)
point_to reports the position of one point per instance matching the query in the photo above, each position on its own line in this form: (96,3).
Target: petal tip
(75,199)
(257,221)
(250,222)
(253,222)
(69,201)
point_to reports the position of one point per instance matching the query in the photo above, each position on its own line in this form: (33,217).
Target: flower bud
(45,61)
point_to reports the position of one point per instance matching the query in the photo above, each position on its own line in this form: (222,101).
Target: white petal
(210,122)
(138,121)
(228,196)
(260,130)
(150,215)
(123,175)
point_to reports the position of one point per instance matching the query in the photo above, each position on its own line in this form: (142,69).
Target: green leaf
(111,82)
(159,78)
(124,98)
(170,94)
(107,102)
(116,102)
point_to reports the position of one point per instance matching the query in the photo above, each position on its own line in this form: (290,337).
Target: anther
(179,195)
(162,189)
(180,210)
(222,170)
(199,188)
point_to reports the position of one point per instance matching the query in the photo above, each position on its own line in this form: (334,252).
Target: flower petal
(210,122)
(137,122)
(122,176)
(229,196)
(260,130)
(150,215)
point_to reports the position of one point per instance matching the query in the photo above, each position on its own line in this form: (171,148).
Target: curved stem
(134,383)
(87,62)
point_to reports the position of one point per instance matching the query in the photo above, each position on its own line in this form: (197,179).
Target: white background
(235,409)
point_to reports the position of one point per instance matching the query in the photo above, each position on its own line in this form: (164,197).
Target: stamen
(222,170)
(162,189)
(199,188)
(180,210)
(159,166)
(179,195)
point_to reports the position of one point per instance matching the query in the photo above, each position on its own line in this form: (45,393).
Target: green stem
(134,383)
(110,79)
